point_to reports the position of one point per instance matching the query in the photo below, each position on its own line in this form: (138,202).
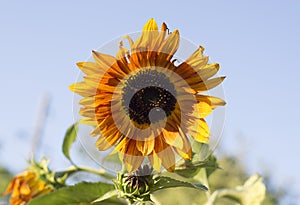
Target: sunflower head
(26,186)
(145,104)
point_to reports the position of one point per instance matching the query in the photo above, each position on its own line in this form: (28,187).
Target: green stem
(129,202)
(204,180)
(101,172)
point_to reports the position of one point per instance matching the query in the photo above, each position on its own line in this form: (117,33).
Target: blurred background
(255,42)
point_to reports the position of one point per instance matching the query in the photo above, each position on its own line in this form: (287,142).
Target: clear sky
(255,42)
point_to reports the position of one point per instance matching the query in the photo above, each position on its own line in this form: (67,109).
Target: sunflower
(25,187)
(145,104)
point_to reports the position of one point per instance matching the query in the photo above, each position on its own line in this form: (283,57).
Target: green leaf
(69,139)
(253,192)
(81,194)
(167,182)
(187,170)
(5,177)
(111,202)
(213,165)
(190,169)
(108,195)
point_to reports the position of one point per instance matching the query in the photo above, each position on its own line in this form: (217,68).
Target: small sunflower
(25,187)
(143,103)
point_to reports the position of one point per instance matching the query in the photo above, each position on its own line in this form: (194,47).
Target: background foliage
(5,177)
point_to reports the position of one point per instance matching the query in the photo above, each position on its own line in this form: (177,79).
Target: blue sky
(255,42)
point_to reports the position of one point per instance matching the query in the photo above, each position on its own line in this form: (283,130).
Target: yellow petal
(197,54)
(83,89)
(147,37)
(167,158)
(88,121)
(208,71)
(186,151)
(90,68)
(104,60)
(209,84)
(150,25)
(156,44)
(198,63)
(212,101)
(155,161)
(194,73)
(169,47)
(87,112)
(91,81)
(173,138)
(160,38)
(203,109)
(131,42)
(95,101)
(121,145)
(25,189)
(122,60)
(200,131)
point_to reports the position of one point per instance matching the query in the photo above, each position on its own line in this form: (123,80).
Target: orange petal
(132,156)
(173,138)
(10,187)
(145,147)
(164,152)
(106,142)
(120,146)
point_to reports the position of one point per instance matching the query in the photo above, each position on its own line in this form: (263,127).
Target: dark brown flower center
(149,97)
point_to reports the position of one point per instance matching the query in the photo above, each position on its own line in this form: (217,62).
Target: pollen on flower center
(149,99)
(146,92)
